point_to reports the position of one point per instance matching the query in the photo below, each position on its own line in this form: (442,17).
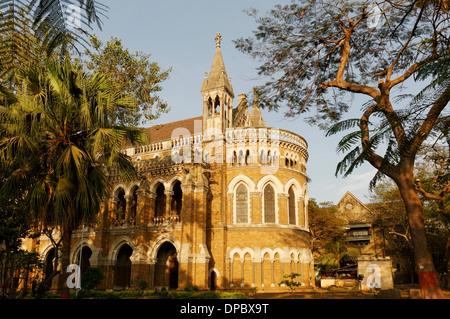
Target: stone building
(359,220)
(220,202)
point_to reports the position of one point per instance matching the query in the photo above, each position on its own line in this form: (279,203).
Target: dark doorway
(85,256)
(49,260)
(166,267)
(122,271)
(213,281)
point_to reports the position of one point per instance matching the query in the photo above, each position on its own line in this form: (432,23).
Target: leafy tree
(91,278)
(331,50)
(325,225)
(61,121)
(291,282)
(337,253)
(134,74)
(15,224)
(56,23)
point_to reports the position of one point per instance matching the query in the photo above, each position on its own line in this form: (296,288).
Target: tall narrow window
(217,105)
(121,205)
(210,106)
(291,206)
(269,204)
(241,204)
(177,199)
(160,201)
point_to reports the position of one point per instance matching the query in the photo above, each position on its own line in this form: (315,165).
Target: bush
(91,278)
(140,285)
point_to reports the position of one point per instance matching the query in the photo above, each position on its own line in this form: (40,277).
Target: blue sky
(180,34)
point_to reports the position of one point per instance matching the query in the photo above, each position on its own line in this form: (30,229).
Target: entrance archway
(122,268)
(86,254)
(213,281)
(166,267)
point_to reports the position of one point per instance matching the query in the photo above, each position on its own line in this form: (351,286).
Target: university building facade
(220,202)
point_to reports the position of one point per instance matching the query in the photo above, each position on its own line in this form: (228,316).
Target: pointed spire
(218,77)
(256,114)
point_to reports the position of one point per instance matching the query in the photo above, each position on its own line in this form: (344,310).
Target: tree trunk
(65,261)
(428,280)
(448,262)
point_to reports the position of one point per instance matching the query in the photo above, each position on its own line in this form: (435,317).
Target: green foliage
(325,225)
(91,278)
(59,143)
(337,253)
(133,73)
(191,288)
(140,285)
(205,295)
(46,21)
(290,281)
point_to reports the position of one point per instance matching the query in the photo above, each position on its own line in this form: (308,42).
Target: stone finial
(218,39)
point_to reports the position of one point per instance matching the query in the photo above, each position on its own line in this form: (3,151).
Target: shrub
(91,278)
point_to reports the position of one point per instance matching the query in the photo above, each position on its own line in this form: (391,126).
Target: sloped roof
(164,131)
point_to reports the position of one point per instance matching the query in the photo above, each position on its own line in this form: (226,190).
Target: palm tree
(60,120)
(337,251)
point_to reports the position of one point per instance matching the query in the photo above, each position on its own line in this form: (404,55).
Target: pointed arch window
(160,201)
(241,204)
(291,213)
(269,204)
(217,105)
(210,106)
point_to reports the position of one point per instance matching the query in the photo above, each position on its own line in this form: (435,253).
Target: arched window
(241,158)
(217,105)
(122,269)
(121,205)
(177,198)
(263,157)
(133,204)
(291,213)
(241,204)
(160,201)
(210,107)
(269,204)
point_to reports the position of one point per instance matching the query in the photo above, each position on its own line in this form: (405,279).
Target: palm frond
(342,126)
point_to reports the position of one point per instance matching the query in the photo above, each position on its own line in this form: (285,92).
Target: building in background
(220,202)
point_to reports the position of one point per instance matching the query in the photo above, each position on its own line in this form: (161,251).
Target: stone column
(200,249)
(128,199)
(301,212)
(112,206)
(169,195)
(283,208)
(256,205)
(185,268)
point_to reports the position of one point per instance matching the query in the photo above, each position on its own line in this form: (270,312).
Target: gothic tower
(217,95)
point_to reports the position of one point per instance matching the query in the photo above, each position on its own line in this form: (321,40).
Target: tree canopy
(315,54)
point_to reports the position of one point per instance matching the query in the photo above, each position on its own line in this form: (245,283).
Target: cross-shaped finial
(218,39)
